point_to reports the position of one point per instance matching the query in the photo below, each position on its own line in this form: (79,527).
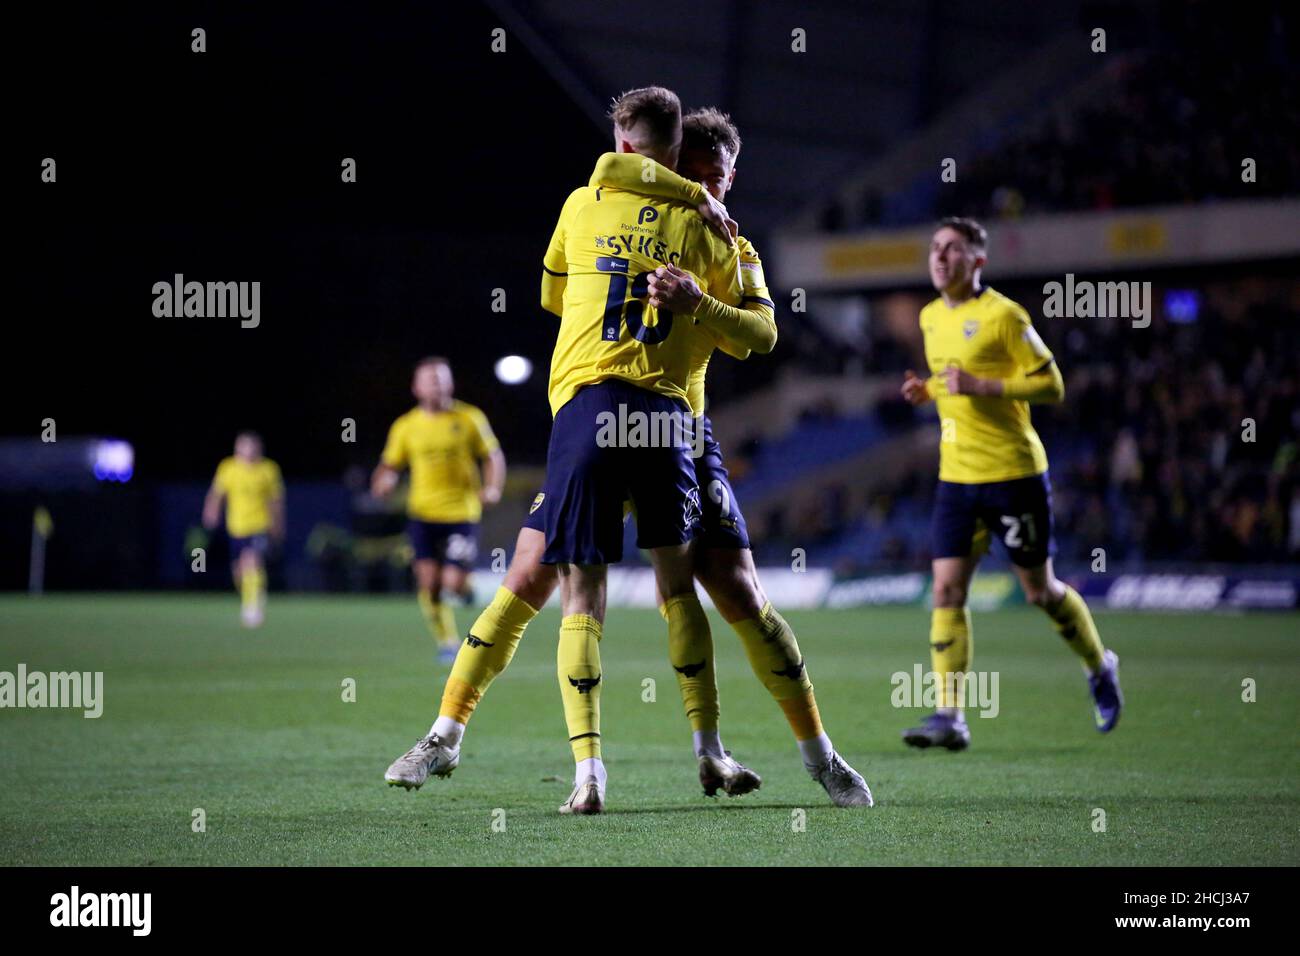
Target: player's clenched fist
(914,389)
(960,382)
(674,290)
(383,481)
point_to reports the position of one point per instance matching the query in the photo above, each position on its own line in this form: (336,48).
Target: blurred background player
(253,492)
(987,366)
(444,443)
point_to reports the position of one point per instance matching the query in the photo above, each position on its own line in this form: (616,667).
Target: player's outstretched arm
(634,173)
(642,175)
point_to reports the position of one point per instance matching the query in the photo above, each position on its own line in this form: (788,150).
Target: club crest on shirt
(970,327)
(537,502)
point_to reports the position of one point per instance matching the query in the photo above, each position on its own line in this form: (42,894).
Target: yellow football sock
(774,656)
(251,585)
(485,653)
(577,665)
(950,652)
(690,651)
(439,617)
(1074,623)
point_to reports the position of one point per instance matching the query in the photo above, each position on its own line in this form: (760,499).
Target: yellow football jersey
(249,488)
(754,291)
(982,438)
(628,172)
(443,451)
(606,243)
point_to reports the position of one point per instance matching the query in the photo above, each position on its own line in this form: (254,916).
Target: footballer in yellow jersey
(443,443)
(252,491)
(623,424)
(616,353)
(987,365)
(724,564)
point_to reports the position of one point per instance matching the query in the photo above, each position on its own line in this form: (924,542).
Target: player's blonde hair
(654,110)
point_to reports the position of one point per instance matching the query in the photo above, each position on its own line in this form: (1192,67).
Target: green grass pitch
(252,728)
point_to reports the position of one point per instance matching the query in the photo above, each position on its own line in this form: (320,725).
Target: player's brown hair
(971,231)
(657,108)
(711,129)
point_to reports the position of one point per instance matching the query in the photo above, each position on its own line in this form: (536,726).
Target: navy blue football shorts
(1017,512)
(254,542)
(445,542)
(722,525)
(613,442)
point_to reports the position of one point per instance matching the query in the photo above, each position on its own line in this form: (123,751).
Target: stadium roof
(872,73)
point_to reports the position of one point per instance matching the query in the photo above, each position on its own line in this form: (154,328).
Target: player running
(253,493)
(987,366)
(723,561)
(443,442)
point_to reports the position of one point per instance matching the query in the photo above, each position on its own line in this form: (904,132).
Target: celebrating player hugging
(684,626)
(645,292)
(649,277)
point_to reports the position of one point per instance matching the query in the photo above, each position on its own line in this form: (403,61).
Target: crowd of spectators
(1169,123)
(1184,436)
(1177,443)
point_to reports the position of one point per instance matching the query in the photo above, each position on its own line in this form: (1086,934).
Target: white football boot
(728,775)
(587,798)
(842,783)
(429,756)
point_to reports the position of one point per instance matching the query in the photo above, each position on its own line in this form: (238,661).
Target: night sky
(225,166)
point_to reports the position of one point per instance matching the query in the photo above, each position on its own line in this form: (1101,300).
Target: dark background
(225,166)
